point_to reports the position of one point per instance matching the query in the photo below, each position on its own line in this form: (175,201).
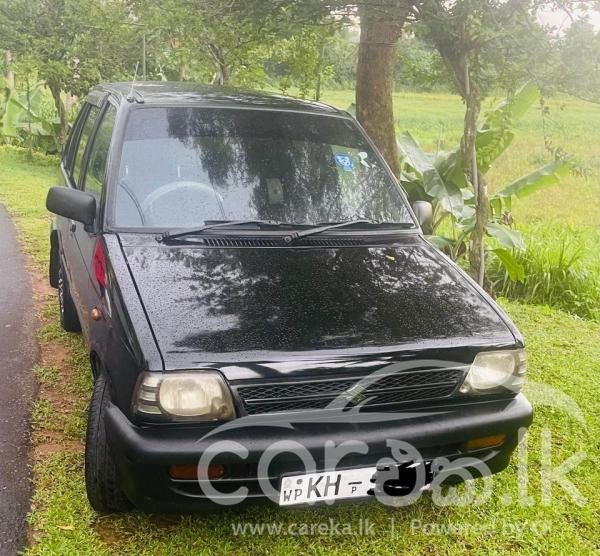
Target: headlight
(196,396)
(495,371)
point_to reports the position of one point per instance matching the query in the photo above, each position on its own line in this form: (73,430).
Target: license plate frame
(326,486)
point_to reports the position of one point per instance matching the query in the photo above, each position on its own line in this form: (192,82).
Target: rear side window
(71,144)
(96,167)
(86,133)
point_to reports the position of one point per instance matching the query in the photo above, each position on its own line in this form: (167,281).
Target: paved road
(18,352)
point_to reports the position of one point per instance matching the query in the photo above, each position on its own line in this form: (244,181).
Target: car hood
(240,304)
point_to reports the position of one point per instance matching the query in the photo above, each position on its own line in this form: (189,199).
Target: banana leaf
(547,175)
(506,236)
(419,167)
(10,117)
(515,270)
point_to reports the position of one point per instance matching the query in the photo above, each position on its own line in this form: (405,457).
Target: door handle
(72,225)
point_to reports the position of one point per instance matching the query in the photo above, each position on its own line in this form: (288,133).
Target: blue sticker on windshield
(344,161)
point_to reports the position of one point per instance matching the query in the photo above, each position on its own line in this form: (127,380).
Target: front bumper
(144,454)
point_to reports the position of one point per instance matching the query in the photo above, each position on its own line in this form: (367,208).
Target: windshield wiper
(200,229)
(177,233)
(318,229)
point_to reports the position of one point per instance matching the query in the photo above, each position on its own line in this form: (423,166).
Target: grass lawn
(563,352)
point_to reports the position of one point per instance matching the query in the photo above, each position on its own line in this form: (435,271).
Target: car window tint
(69,148)
(96,167)
(185,166)
(86,132)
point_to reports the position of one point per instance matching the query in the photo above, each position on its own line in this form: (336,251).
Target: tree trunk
(477,250)
(9,75)
(319,72)
(375,79)
(70,101)
(472,97)
(456,58)
(183,68)
(222,73)
(63,125)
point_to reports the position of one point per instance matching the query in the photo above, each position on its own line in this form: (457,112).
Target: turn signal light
(486,441)
(190,472)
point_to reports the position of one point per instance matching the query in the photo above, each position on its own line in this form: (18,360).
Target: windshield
(183,167)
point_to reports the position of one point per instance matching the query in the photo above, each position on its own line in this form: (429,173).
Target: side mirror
(72,203)
(423,211)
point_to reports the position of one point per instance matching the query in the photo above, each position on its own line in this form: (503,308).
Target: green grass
(47,374)
(563,351)
(23,191)
(562,269)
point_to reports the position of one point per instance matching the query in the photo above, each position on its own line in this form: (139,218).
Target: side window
(86,132)
(96,167)
(71,143)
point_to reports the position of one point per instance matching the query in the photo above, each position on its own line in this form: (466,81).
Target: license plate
(328,485)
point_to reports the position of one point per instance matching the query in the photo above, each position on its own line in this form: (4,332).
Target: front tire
(101,482)
(69,319)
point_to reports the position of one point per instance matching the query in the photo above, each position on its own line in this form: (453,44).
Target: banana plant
(20,117)
(439,178)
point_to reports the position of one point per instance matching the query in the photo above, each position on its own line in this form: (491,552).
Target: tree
(418,63)
(301,59)
(455,28)
(73,44)
(228,43)
(473,38)
(200,39)
(381,24)
(578,68)
(440,178)
(342,55)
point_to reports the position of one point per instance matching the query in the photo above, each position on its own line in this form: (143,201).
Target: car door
(67,229)
(92,180)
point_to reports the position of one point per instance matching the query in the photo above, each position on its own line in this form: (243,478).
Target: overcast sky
(561,21)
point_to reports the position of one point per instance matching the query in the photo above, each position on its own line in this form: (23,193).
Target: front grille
(392,389)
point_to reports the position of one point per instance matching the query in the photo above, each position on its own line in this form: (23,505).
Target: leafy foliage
(68,44)
(575,62)
(227,43)
(24,118)
(552,273)
(301,59)
(440,179)
(419,66)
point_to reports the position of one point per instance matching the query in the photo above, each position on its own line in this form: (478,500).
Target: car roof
(168,92)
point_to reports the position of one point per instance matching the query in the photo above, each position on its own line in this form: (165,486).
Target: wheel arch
(54,263)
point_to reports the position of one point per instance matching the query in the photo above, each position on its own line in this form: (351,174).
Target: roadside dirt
(48,440)
(57,398)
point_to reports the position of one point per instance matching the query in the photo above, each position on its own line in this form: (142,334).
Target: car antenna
(133,94)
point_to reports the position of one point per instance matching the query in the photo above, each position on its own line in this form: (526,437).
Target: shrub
(558,272)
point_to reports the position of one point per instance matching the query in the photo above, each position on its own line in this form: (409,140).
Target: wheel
(68,314)
(101,483)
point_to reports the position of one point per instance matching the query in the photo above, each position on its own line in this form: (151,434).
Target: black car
(263,314)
